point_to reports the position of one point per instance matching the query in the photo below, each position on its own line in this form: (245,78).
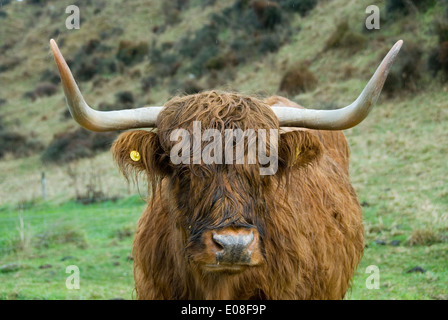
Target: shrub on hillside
(300,6)
(264,31)
(406,7)
(171,10)
(37,2)
(45,89)
(7,45)
(66,115)
(69,146)
(443,57)
(158,29)
(17,143)
(9,64)
(131,53)
(148,82)
(441,29)
(220,78)
(268,14)
(222,61)
(216,63)
(165,64)
(438,57)
(190,86)
(242,47)
(244,30)
(297,80)
(91,59)
(206,3)
(50,76)
(111,32)
(198,66)
(269,43)
(29,95)
(344,38)
(438,61)
(124,99)
(85,70)
(205,36)
(407,71)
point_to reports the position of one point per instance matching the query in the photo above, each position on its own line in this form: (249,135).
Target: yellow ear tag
(135,155)
(298,151)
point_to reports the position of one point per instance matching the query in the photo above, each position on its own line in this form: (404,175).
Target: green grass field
(98,240)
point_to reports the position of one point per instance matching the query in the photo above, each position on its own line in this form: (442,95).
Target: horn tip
(397,46)
(54,46)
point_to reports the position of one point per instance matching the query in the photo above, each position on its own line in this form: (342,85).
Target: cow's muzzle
(232,249)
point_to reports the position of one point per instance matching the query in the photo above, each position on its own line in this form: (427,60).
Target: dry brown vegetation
(298,80)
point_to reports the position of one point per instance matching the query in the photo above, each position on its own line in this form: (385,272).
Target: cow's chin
(225,268)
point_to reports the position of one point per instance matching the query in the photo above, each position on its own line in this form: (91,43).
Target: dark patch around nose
(234,247)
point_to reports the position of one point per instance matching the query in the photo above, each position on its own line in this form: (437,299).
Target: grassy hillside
(130,54)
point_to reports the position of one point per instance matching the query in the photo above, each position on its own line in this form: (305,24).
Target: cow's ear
(140,151)
(298,148)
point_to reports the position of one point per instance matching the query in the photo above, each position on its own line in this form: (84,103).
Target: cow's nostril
(234,247)
(216,243)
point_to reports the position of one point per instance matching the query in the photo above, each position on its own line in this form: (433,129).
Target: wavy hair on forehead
(216,110)
(221,111)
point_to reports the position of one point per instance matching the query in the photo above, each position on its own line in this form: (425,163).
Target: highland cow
(223,231)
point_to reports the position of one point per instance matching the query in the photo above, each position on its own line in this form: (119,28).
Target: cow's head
(219,208)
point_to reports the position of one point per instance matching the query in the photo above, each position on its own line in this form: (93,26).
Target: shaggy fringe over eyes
(153,161)
(216,110)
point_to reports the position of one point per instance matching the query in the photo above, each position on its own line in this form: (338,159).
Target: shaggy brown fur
(307,215)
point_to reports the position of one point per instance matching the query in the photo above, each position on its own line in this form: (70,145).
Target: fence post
(44,186)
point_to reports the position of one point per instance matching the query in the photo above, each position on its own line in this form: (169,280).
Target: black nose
(233,248)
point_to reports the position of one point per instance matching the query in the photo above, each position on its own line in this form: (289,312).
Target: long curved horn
(344,118)
(99,120)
